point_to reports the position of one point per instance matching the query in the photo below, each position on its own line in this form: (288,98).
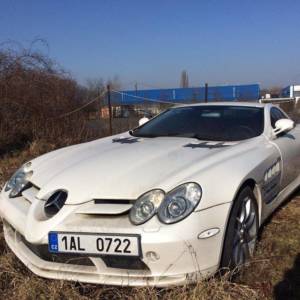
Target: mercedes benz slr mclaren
(169,202)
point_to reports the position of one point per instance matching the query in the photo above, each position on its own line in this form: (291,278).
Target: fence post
(100,104)
(109,109)
(136,88)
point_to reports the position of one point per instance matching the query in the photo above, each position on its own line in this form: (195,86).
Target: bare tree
(34,93)
(94,88)
(114,83)
(274,91)
(184,79)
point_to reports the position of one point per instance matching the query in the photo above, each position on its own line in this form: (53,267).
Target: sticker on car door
(271,185)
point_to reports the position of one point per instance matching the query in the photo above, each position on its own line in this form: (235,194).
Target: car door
(289,146)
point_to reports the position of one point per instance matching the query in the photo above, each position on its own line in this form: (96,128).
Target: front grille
(112,201)
(130,263)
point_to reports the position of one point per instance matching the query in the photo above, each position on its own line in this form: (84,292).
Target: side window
(276,115)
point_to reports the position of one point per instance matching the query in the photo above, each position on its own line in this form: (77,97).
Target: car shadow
(269,219)
(289,287)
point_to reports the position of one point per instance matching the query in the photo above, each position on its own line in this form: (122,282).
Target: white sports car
(169,202)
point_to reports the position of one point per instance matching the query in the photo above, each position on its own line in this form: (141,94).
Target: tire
(241,234)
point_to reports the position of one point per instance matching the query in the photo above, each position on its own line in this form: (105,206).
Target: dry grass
(274,271)
(276,266)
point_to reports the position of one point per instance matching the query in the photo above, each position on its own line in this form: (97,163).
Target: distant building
(291,91)
(150,102)
(249,92)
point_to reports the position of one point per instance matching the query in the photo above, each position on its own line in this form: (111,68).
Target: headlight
(146,206)
(18,182)
(179,203)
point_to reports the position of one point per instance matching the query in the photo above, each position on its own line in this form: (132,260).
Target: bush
(35,95)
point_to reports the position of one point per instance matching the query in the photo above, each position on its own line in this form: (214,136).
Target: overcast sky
(151,42)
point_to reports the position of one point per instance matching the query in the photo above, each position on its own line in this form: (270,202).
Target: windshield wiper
(193,136)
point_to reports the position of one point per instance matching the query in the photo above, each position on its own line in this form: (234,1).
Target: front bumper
(180,256)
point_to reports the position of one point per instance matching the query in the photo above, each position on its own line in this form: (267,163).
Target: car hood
(124,167)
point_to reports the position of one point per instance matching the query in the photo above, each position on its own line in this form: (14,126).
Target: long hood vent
(207,145)
(105,207)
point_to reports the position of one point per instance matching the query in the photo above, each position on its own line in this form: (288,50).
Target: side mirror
(283,125)
(143,120)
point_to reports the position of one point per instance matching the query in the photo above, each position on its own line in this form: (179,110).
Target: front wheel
(241,233)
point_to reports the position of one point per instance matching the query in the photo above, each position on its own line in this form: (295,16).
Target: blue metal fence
(250,92)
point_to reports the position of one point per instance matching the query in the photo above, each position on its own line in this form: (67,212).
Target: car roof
(245,104)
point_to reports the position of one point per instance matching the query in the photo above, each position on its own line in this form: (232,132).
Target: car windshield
(212,123)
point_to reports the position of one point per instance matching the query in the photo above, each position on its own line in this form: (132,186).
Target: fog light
(152,256)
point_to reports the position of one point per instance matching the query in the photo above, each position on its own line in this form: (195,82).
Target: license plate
(95,244)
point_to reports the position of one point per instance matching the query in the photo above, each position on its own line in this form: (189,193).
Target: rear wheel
(241,234)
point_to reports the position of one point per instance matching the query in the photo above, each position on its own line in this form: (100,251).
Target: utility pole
(136,88)
(109,109)
(100,104)
(206,93)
